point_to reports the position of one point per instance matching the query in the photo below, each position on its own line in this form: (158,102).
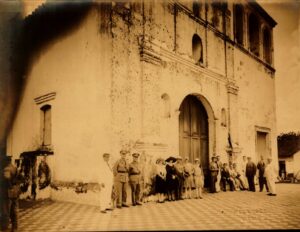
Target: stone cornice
(232,88)
(153,53)
(45,98)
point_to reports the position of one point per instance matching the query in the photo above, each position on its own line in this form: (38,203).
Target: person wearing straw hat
(198,178)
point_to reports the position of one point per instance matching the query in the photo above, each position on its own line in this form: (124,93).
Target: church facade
(188,78)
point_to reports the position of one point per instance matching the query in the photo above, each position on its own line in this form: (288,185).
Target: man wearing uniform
(180,174)
(135,179)
(214,170)
(11,187)
(106,182)
(120,171)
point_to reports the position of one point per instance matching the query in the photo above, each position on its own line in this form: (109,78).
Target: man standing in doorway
(213,168)
(120,171)
(250,174)
(261,165)
(106,182)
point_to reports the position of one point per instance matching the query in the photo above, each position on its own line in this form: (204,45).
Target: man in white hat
(270,175)
(106,182)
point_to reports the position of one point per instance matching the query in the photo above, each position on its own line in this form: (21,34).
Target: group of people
(171,179)
(242,177)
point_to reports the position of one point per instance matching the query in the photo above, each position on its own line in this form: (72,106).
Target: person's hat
(106,154)
(171,159)
(179,158)
(123,151)
(135,155)
(196,159)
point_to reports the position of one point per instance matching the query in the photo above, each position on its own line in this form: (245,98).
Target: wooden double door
(193,132)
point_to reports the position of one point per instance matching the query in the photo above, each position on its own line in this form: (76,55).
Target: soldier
(214,170)
(250,174)
(11,187)
(120,171)
(261,170)
(180,174)
(106,182)
(135,179)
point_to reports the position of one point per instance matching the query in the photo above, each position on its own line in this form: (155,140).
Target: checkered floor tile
(220,211)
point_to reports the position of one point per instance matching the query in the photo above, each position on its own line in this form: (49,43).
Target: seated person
(226,178)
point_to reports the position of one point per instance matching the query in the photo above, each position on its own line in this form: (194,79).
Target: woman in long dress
(198,178)
(188,181)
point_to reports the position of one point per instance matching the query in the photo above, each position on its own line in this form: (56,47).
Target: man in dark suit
(261,171)
(250,174)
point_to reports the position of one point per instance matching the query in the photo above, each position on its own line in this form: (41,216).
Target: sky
(286,37)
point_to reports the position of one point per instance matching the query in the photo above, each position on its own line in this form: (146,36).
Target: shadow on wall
(22,41)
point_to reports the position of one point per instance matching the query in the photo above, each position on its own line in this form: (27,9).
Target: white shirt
(106,174)
(270,172)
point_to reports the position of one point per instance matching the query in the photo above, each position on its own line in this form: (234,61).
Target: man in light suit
(120,171)
(271,175)
(106,182)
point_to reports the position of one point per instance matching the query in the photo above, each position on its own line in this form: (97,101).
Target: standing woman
(160,182)
(188,182)
(198,178)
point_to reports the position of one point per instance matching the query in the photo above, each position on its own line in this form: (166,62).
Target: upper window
(254,34)
(197,49)
(46,125)
(267,46)
(197,8)
(239,24)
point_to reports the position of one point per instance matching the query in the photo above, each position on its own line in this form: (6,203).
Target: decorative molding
(45,98)
(262,129)
(151,52)
(232,88)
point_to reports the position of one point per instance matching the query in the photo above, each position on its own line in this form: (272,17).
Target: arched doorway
(193,132)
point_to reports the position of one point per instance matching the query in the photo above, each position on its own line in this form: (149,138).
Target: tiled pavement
(221,211)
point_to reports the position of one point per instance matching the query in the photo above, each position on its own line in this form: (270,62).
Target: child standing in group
(198,178)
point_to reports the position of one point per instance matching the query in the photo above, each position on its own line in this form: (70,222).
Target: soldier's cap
(123,151)
(196,159)
(136,155)
(106,154)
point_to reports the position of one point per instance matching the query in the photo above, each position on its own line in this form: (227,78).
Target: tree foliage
(288,144)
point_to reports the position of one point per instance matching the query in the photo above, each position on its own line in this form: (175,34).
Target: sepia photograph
(149,115)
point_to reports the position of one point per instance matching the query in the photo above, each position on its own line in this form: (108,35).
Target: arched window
(166,106)
(223,118)
(197,49)
(254,34)
(46,125)
(267,46)
(239,24)
(196,8)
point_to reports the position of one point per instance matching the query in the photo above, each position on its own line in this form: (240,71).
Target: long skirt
(160,185)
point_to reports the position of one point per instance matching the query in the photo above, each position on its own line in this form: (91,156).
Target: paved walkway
(221,211)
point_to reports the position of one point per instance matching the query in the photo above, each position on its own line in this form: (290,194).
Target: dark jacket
(250,169)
